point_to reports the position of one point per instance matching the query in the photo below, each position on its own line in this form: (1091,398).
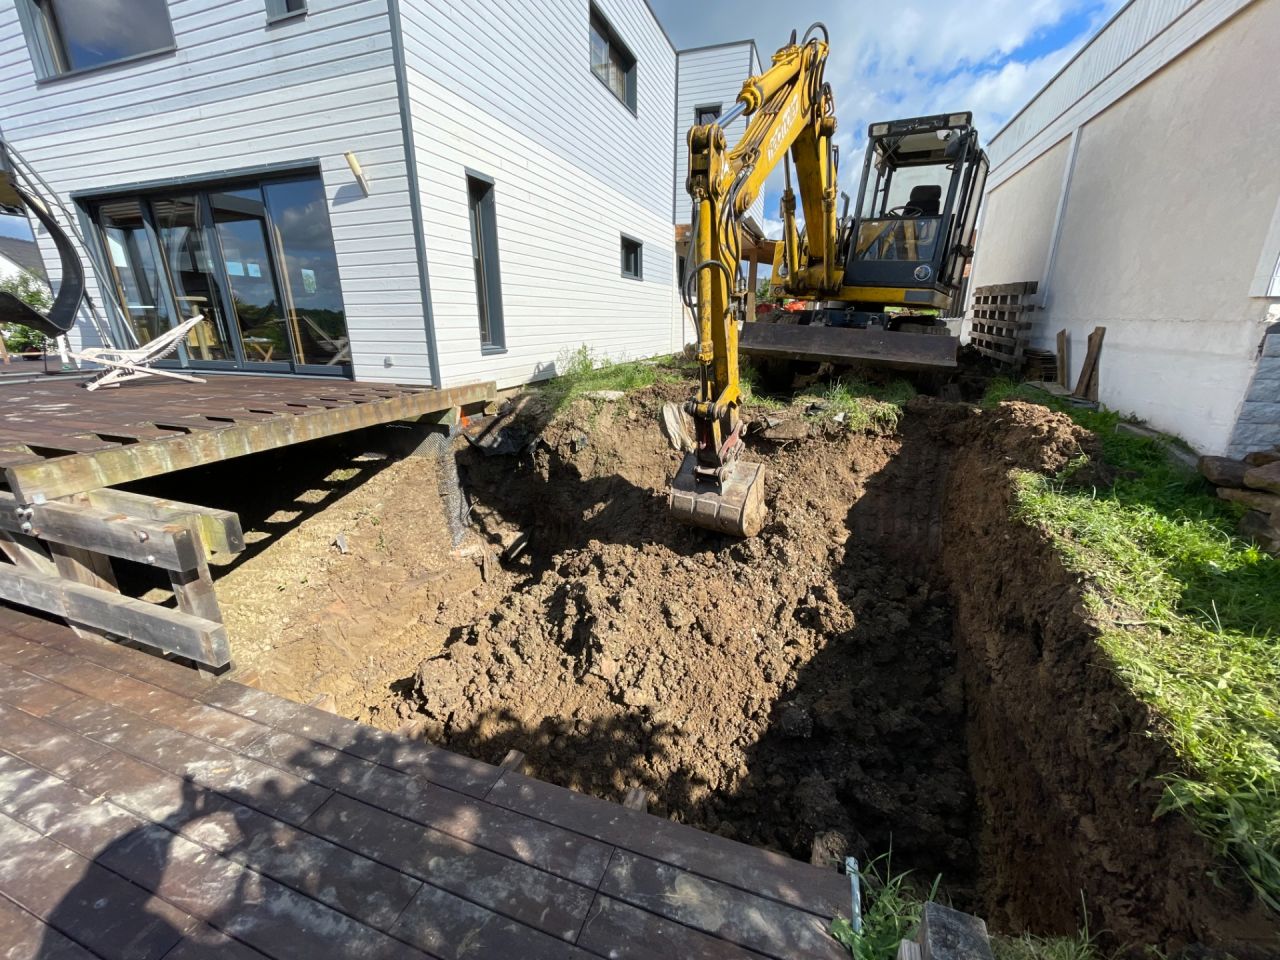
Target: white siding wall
(505,89)
(238,94)
(707,76)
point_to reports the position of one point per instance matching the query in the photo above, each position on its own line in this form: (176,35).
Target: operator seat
(926,198)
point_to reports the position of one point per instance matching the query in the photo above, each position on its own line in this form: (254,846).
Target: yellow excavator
(878,279)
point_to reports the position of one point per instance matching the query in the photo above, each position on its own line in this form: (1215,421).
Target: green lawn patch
(582,372)
(1191,619)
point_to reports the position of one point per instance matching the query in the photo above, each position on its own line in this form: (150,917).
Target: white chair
(132,364)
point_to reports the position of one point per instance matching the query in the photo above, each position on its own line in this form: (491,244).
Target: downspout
(1068,170)
(415,194)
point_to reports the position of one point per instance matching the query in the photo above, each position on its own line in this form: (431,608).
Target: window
(484,256)
(706,114)
(632,258)
(69,36)
(254,257)
(611,61)
(285,9)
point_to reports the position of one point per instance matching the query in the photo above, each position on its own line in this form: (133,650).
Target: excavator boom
(790,113)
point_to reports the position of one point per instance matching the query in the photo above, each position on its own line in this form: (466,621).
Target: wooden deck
(63,450)
(147,812)
(57,438)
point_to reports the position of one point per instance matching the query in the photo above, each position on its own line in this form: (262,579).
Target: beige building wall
(1170,205)
(1017,221)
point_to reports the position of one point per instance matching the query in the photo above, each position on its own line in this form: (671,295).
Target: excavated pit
(893,664)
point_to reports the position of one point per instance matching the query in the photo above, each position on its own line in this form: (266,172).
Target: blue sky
(895,59)
(906,58)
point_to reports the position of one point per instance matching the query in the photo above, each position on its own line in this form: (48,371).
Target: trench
(893,665)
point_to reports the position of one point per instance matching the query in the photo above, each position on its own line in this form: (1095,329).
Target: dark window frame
(638,245)
(482,222)
(282,11)
(88,202)
(598,23)
(46,46)
(703,108)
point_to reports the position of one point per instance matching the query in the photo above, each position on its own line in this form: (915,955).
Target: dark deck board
(763,872)
(221,821)
(82,440)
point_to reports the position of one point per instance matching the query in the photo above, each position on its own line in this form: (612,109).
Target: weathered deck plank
(172,427)
(219,821)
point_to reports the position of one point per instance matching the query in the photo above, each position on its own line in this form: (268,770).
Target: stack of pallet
(1255,482)
(998,323)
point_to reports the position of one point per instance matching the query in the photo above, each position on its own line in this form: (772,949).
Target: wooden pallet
(998,324)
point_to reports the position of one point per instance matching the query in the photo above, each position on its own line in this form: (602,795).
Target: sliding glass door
(240,220)
(183,234)
(254,258)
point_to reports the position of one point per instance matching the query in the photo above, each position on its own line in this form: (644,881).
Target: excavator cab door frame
(889,246)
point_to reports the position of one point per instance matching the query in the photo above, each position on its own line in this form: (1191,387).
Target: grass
(582,372)
(1190,617)
(859,405)
(892,905)
(891,912)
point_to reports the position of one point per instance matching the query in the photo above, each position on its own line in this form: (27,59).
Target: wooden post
(91,569)
(752,264)
(1064,366)
(26,553)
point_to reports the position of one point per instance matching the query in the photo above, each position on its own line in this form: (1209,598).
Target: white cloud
(906,59)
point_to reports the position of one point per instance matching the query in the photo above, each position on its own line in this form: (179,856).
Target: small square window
(708,113)
(71,36)
(285,9)
(611,61)
(632,258)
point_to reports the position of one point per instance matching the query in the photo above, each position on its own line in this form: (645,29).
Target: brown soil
(891,664)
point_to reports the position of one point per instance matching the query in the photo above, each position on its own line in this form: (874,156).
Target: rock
(1257,526)
(1253,499)
(786,430)
(795,721)
(1223,471)
(1260,458)
(1264,478)
(609,395)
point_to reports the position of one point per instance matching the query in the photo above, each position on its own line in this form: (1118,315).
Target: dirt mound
(796,690)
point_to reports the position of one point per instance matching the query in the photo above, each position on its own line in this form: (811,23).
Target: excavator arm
(790,113)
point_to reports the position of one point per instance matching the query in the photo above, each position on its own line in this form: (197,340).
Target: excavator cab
(911,234)
(903,251)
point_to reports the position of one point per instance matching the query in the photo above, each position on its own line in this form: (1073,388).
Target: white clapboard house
(417,191)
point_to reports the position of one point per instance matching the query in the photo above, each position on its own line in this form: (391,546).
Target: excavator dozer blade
(886,348)
(736,508)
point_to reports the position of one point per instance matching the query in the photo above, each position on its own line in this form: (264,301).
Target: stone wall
(1258,424)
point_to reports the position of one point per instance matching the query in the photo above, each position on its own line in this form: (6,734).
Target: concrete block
(1247,437)
(947,934)
(1260,412)
(1264,478)
(1263,390)
(1268,369)
(1223,471)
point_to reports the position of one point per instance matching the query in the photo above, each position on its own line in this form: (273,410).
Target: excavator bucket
(735,507)
(885,348)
